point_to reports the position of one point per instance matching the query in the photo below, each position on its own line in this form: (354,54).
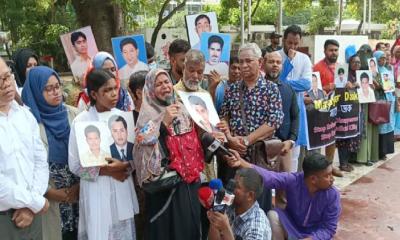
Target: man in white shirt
(130,53)
(24,173)
(214,63)
(82,60)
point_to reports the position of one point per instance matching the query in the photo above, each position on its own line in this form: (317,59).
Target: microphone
(219,205)
(212,146)
(215,184)
(206,197)
(230,196)
(175,122)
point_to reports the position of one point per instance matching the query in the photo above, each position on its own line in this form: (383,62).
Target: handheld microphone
(175,122)
(212,146)
(215,184)
(230,196)
(219,205)
(206,197)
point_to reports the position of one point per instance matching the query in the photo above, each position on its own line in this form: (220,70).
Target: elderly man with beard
(191,81)
(288,131)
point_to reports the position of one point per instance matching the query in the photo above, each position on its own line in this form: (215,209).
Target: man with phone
(246,220)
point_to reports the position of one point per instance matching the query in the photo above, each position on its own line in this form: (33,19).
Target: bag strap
(242,113)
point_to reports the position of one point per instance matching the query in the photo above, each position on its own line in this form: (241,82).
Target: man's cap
(275,35)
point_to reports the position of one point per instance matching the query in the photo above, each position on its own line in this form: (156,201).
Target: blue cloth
(299,86)
(123,99)
(387,127)
(220,94)
(54,118)
(349,52)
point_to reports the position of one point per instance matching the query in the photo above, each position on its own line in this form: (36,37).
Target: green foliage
(323,16)
(37,24)
(391,30)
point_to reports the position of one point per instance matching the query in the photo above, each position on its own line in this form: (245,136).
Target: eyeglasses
(52,88)
(7,76)
(356,63)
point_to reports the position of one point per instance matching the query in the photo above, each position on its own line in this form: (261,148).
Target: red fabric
(186,155)
(84,97)
(327,74)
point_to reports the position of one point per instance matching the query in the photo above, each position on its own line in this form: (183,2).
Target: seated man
(248,220)
(313,204)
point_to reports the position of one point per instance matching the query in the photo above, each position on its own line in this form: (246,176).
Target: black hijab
(21,58)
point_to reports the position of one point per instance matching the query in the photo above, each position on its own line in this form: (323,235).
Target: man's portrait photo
(130,54)
(92,141)
(201,109)
(372,66)
(199,23)
(121,148)
(216,49)
(316,92)
(341,75)
(387,82)
(80,47)
(365,92)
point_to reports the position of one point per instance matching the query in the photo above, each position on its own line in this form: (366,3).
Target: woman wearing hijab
(43,95)
(162,143)
(396,73)
(104,60)
(386,130)
(107,199)
(348,148)
(369,133)
(24,60)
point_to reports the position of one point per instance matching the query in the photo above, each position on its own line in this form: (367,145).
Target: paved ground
(371,204)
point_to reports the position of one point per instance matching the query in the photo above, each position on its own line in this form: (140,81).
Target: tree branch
(255,8)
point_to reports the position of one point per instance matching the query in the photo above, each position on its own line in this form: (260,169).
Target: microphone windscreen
(207,139)
(170,100)
(215,184)
(206,197)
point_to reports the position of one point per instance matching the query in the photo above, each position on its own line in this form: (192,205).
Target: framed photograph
(93,140)
(365,92)
(316,92)
(130,55)
(122,129)
(80,48)
(341,73)
(199,23)
(216,48)
(388,82)
(373,66)
(201,108)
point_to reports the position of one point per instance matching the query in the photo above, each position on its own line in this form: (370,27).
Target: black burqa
(20,59)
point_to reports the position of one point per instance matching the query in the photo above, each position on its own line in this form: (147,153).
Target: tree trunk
(359,27)
(105,18)
(162,20)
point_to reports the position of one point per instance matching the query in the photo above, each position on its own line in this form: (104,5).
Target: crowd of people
(46,193)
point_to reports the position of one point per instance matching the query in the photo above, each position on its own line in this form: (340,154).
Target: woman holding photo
(166,138)
(107,198)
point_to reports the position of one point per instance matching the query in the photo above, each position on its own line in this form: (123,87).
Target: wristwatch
(293,143)
(246,141)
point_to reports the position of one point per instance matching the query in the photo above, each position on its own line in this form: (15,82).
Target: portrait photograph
(365,92)
(80,48)
(341,75)
(316,92)
(216,48)
(94,140)
(387,82)
(122,130)
(197,24)
(373,66)
(130,55)
(201,109)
